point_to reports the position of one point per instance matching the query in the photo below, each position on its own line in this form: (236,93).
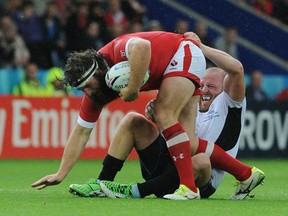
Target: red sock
(221,160)
(179,147)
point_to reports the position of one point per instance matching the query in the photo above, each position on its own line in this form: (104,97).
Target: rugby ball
(118,76)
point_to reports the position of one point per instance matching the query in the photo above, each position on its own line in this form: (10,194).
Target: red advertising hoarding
(38,128)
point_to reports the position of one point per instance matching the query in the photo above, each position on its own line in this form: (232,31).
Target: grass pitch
(18,198)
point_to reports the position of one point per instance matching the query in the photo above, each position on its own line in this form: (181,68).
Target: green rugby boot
(116,190)
(89,189)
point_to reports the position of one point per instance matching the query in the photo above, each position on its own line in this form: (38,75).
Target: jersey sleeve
(89,114)
(117,50)
(228,101)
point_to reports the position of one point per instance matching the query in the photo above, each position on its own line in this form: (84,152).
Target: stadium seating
(261,41)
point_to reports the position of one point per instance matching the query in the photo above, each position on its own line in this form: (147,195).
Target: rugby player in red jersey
(220,118)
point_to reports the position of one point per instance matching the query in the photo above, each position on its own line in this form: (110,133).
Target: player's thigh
(134,130)
(144,132)
(173,95)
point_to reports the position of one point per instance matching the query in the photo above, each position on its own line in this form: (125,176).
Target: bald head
(216,73)
(212,86)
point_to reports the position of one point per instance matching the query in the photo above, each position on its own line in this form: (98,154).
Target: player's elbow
(238,68)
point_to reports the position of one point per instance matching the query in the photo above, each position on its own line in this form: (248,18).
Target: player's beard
(103,95)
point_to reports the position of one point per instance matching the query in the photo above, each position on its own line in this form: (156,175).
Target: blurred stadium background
(37,127)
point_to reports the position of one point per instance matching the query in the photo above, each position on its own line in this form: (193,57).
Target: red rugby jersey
(163,47)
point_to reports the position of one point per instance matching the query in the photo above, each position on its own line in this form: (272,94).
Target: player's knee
(202,169)
(131,118)
(201,162)
(206,164)
(134,119)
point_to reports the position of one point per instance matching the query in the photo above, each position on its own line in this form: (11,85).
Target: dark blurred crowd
(45,32)
(277,9)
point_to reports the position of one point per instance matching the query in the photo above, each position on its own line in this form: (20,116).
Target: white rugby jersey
(222,123)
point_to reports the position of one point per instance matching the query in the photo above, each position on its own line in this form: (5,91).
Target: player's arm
(139,54)
(73,149)
(234,84)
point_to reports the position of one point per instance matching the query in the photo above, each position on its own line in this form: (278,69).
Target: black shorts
(155,160)
(158,168)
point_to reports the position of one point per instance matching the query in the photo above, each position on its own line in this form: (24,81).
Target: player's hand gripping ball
(118,76)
